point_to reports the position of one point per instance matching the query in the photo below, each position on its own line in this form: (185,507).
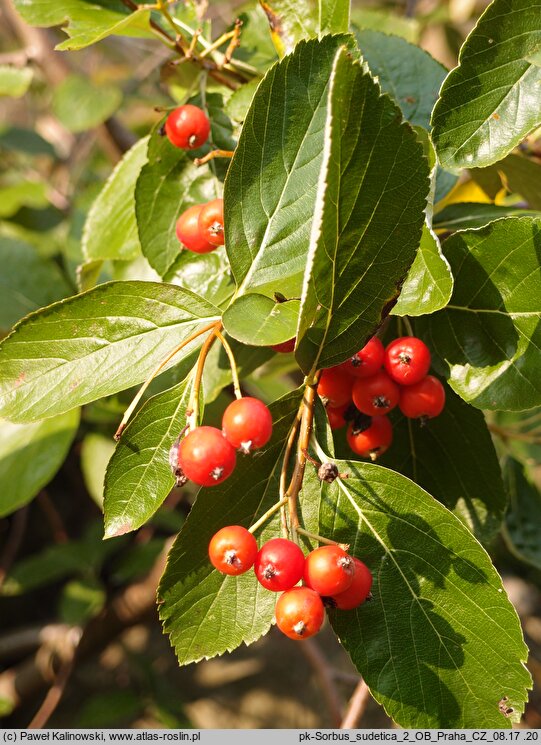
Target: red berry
(206,457)
(336,416)
(359,589)
(211,222)
(407,360)
(187,127)
(328,570)
(335,386)
(423,399)
(279,564)
(285,346)
(372,441)
(188,231)
(367,361)
(232,550)
(376,395)
(299,613)
(247,424)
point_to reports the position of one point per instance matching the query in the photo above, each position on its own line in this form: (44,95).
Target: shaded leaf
(110,230)
(30,455)
(207,275)
(23,194)
(333,16)
(464,215)
(96,452)
(478,119)
(521,175)
(204,612)
(27,281)
(95,344)
(386,22)
(488,338)
(290,21)
(80,104)
(139,476)
(256,319)
(440,620)
(363,239)
(81,600)
(217,374)
(521,527)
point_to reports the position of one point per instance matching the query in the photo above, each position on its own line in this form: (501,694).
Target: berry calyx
(423,400)
(328,570)
(247,424)
(299,613)
(187,231)
(358,591)
(279,564)
(232,550)
(367,361)
(407,360)
(335,386)
(211,222)
(206,457)
(376,395)
(187,127)
(285,346)
(372,441)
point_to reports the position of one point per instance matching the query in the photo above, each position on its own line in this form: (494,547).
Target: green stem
(268,514)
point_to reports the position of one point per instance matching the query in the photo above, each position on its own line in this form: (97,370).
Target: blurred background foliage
(66,118)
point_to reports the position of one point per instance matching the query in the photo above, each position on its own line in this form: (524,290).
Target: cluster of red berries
(362,390)
(331,577)
(207,455)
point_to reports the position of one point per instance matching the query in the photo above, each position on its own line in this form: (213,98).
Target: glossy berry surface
(328,570)
(247,424)
(372,441)
(206,457)
(424,399)
(211,222)
(335,386)
(376,395)
(407,360)
(232,550)
(299,613)
(367,361)
(336,416)
(279,564)
(187,127)
(188,231)
(359,589)
(285,346)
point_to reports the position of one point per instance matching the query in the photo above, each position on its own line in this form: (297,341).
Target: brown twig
(53,516)
(55,692)
(325,677)
(213,154)
(356,707)
(512,434)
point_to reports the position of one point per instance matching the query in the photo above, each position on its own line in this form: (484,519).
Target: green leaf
(87,22)
(20,139)
(488,338)
(96,452)
(290,21)
(333,16)
(217,373)
(386,22)
(168,184)
(257,48)
(138,476)
(95,344)
(275,170)
(239,102)
(207,613)
(440,644)
(490,102)
(521,175)
(15,81)
(256,319)
(207,275)
(407,73)
(27,282)
(23,194)
(465,215)
(453,458)
(110,230)
(80,104)
(81,600)
(522,521)
(30,455)
(364,238)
